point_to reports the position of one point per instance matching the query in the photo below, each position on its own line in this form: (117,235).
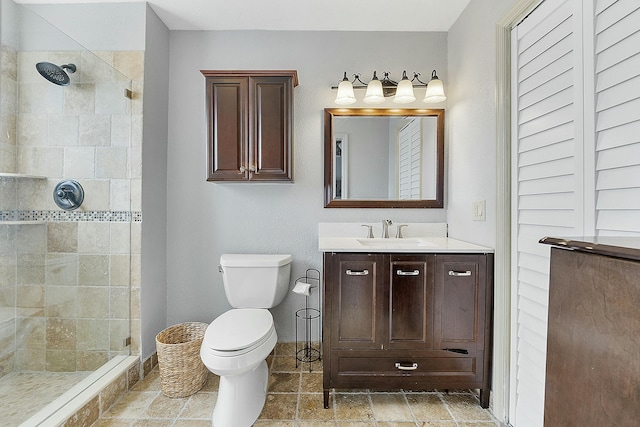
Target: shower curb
(81,403)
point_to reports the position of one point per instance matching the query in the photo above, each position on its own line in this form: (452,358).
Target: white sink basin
(391,242)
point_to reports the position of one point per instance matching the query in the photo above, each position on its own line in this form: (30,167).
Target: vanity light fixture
(435,90)
(345,94)
(378,90)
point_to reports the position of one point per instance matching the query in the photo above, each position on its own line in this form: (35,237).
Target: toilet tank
(255,280)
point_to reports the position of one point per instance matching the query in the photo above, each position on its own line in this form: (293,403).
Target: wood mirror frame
(330,202)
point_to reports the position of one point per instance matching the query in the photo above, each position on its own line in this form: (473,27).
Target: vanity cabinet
(410,321)
(250,125)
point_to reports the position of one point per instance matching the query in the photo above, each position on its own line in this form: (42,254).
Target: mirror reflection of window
(416,151)
(409,154)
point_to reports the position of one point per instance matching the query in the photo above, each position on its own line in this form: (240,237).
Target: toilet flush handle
(220,268)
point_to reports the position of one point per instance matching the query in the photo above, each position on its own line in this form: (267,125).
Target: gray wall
(368,158)
(153,292)
(207,219)
(471,120)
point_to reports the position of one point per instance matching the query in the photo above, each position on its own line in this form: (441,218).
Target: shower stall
(66,273)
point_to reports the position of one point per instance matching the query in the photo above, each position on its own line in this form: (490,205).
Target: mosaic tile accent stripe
(72,216)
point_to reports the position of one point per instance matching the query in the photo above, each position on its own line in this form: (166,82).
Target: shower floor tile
(25,393)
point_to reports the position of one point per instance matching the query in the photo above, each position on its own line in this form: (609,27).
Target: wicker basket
(182,372)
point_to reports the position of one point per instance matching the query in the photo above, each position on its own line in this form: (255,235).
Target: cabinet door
(227,129)
(356,300)
(460,287)
(410,302)
(271,117)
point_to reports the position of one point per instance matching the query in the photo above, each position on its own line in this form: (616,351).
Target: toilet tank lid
(254,260)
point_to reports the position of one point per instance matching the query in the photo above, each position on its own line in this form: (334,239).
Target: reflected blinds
(409,160)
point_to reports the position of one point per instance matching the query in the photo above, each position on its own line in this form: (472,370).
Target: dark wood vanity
(593,365)
(250,125)
(411,321)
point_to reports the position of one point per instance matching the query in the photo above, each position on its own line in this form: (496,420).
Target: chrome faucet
(385,228)
(369,231)
(399,230)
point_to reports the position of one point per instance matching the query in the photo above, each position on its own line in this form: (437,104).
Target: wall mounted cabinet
(410,321)
(250,125)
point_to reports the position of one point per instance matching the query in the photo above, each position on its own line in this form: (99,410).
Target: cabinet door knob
(459,273)
(357,272)
(408,273)
(252,168)
(242,169)
(402,367)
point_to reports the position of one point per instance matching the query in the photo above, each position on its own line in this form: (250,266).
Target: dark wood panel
(356,301)
(593,365)
(271,141)
(425,366)
(226,112)
(459,292)
(410,302)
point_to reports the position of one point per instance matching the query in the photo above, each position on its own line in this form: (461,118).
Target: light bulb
(404,92)
(435,90)
(374,93)
(345,94)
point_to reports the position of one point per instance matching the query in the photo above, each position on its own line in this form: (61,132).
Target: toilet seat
(239,331)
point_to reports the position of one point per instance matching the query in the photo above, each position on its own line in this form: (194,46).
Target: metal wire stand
(308,346)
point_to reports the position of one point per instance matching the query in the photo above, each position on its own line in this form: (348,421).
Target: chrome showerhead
(55,74)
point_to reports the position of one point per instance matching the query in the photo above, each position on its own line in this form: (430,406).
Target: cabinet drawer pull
(459,273)
(357,272)
(408,273)
(400,366)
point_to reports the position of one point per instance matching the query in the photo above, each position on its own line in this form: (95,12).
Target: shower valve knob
(68,195)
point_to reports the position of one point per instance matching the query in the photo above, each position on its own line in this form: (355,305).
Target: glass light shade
(404,92)
(374,93)
(435,91)
(345,94)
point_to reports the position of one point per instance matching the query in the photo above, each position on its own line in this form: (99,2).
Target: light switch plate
(478,210)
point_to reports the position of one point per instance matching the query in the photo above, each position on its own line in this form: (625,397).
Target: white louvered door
(547,184)
(617,157)
(576,158)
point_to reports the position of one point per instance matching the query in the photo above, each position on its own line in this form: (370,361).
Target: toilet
(237,342)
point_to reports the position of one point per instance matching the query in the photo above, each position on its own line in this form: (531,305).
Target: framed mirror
(383,158)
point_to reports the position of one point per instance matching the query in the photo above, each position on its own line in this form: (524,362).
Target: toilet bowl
(235,347)
(237,342)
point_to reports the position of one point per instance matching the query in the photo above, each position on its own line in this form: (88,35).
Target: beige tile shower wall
(90,132)
(87,131)
(8,102)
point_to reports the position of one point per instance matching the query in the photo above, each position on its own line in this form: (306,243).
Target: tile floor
(22,394)
(294,399)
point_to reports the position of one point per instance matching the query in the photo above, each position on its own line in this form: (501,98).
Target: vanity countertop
(418,238)
(426,245)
